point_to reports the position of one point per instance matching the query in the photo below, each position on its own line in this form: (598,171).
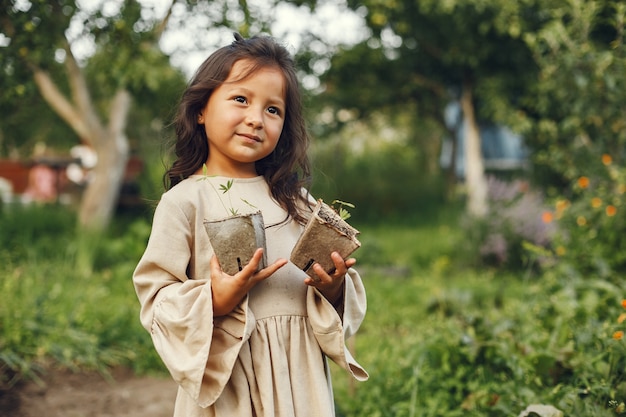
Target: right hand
(229,290)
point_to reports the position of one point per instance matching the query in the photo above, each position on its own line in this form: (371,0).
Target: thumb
(214,265)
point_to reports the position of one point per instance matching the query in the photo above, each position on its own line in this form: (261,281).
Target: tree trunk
(110,143)
(475,180)
(101,195)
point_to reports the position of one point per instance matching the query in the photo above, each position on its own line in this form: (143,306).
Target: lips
(254,138)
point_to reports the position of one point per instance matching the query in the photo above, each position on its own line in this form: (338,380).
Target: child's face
(243,120)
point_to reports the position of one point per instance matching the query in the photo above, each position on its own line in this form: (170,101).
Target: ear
(200,119)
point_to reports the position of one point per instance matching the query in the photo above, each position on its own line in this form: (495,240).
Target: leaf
(343,213)
(343,203)
(226,187)
(248,203)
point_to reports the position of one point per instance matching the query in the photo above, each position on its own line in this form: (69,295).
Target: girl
(256,343)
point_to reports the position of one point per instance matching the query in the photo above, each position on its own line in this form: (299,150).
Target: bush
(382,177)
(516,218)
(591,221)
(67,299)
(476,344)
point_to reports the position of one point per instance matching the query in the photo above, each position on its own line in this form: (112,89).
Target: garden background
(489,289)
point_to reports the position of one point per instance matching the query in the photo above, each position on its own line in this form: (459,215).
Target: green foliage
(574,110)
(56,312)
(439,338)
(462,342)
(375,169)
(420,55)
(591,221)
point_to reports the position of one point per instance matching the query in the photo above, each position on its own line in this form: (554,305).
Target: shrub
(64,302)
(591,221)
(516,216)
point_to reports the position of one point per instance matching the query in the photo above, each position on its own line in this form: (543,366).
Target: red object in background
(17,174)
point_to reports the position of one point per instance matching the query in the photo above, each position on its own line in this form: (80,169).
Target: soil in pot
(235,239)
(324,233)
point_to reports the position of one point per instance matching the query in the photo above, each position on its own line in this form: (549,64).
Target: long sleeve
(173,286)
(332,330)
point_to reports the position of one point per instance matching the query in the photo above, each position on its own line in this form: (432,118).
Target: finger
(269,270)
(322,275)
(340,264)
(250,270)
(253,265)
(350,262)
(214,265)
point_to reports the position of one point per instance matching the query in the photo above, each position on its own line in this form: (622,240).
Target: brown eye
(273,110)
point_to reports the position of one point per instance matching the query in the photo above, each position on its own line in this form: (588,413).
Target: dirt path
(68,394)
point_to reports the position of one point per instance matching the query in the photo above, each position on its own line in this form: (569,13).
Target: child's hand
(331,285)
(229,290)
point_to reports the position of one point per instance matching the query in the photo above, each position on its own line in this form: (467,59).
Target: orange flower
(621,318)
(596,202)
(618,335)
(581,221)
(624,303)
(547,217)
(606,159)
(611,210)
(583,182)
(561,206)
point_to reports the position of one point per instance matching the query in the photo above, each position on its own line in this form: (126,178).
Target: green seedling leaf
(343,212)
(226,187)
(248,203)
(343,203)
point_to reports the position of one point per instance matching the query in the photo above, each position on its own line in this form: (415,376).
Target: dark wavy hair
(286,169)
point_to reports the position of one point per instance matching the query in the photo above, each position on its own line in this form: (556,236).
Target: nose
(254,118)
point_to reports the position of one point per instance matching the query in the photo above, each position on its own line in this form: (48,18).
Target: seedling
(224,188)
(341,208)
(236,237)
(326,231)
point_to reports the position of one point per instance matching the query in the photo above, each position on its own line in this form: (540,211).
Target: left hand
(331,285)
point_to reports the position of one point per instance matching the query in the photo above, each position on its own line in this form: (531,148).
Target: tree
(575,111)
(424,54)
(38,33)
(93,93)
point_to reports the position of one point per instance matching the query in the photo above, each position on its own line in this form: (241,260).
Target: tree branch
(81,96)
(120,106)
(59,102)
(160,28)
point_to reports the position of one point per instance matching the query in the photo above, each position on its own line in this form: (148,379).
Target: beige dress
(268,356)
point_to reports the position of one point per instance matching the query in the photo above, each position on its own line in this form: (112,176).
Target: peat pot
(324,233)
(235,239)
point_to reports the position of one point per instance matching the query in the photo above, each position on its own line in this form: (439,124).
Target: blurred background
(481,141)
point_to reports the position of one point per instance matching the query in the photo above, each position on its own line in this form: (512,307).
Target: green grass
(443,339)
(440,338)
(67,299)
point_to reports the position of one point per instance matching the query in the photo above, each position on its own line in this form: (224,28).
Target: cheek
(277,129)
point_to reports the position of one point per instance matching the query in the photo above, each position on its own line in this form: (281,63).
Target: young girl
(255,343)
